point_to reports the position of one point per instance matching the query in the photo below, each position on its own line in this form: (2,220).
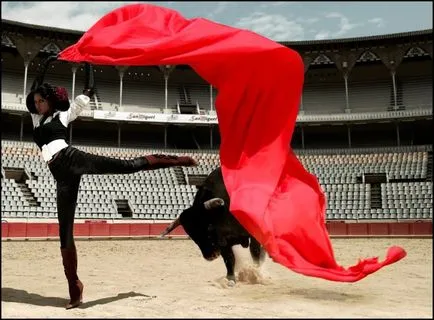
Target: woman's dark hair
(57,97)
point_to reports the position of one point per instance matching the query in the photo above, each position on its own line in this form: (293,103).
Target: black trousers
(67,168)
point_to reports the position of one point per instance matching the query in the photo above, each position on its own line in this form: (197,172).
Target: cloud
(379,22)
(221,7)
(322,35)
(307,20)
(344,23)
(68,15)
(269,4)
(274,26)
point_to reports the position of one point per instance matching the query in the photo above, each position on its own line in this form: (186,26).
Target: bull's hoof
(231,280)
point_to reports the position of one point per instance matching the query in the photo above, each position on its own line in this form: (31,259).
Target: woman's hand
(88,92)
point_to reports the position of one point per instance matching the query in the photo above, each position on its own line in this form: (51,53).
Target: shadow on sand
(325,295)
(22,296)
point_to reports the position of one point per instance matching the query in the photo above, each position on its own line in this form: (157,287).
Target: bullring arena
(364,129)
(170,279)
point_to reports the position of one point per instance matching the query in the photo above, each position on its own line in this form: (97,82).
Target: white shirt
(65,117)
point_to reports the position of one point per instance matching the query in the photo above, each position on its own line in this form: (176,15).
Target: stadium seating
(408,199)
(162,194)
(345,168)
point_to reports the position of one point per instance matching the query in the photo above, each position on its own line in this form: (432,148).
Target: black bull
(211,225)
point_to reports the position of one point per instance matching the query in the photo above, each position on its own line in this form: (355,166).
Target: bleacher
(163,194)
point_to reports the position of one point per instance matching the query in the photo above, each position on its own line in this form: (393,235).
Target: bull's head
(197,223)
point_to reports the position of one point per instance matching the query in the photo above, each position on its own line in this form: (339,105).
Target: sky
(279,21)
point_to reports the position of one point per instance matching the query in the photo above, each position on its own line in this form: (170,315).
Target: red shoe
(157,161)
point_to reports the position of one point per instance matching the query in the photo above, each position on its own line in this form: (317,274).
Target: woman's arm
(81,102)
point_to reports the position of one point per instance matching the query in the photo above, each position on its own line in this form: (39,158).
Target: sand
(169,278)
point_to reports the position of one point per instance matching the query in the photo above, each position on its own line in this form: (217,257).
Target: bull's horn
(214,203)
(176,223)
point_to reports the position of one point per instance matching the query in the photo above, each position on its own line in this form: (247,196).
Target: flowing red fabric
(259,85)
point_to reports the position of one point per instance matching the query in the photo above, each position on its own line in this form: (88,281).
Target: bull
(210,224)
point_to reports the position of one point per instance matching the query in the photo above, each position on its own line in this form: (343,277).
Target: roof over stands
(11,26)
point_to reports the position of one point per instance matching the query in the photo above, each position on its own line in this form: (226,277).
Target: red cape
(259,85)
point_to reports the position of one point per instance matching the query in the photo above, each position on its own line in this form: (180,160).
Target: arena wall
(103,229)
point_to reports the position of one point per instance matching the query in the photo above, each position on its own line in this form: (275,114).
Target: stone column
(28,48)
(211,98)
(307,60)
(74,71)
(398,138)
(345,63)
(392,58)
(119,133)
(167,70)
(165,136)
(302,136)
(22,126)
(121,70)
(26,67)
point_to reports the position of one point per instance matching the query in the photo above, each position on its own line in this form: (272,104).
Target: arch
(368,56)
(322,59)
(51,47)
(415,52)
(6,41)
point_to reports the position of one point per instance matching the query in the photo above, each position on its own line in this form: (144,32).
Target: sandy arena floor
(169,278)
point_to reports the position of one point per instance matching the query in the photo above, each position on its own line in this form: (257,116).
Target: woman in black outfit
(51,113)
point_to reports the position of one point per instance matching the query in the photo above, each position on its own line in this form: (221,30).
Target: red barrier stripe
(51,230)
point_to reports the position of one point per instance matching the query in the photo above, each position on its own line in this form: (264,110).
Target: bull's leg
(256,251)
(229,259)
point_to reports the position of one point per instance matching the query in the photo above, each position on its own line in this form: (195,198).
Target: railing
(420,148)
(302,117)
(28,173)
(414,112)
(115,206)
(131,207)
